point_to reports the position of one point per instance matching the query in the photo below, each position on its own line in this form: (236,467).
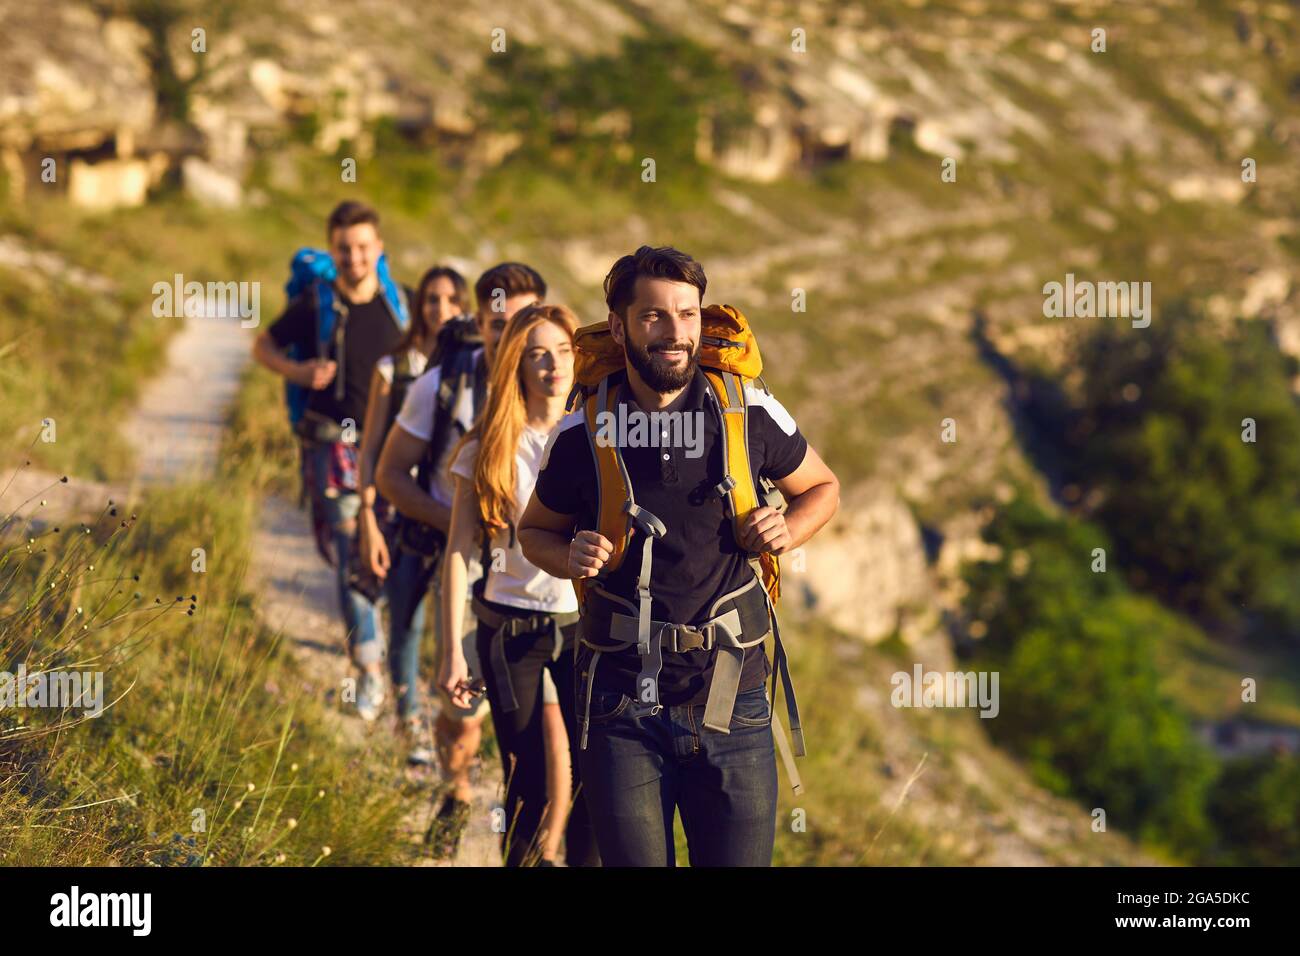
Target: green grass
(80,355)
(216,752)
(1205,676)
(213,702)
(72,357)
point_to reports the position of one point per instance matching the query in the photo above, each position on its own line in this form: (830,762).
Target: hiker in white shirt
(527,619)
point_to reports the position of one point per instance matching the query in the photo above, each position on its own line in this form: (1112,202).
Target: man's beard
(655,372)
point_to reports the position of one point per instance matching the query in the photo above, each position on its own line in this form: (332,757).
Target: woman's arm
(454,673)
(381,391)
(373,545)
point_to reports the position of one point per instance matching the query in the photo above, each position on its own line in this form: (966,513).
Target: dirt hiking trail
(176,431)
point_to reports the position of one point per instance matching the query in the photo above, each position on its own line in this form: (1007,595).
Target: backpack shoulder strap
(737,485)
(456,371)
(319,295)
(328,307)
(613,485)
(395,301)
(394,294)
(478,375)
(479,587)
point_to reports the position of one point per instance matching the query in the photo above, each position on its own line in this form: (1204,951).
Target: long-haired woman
(527,620)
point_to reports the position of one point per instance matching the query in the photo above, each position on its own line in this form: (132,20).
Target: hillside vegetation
(923,302)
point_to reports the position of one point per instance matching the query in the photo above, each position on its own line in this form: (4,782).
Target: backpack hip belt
(505,626)
(720,632)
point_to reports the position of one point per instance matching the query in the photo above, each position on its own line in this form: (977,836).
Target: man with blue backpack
(345,312)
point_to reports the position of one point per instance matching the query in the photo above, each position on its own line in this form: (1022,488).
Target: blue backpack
(313,270)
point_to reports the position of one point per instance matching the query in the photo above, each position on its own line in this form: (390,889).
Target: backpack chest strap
(719,632)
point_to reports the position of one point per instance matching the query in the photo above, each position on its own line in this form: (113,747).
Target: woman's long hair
(414,336)
(501,424)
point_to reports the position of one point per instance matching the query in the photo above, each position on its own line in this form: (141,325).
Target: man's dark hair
(512,278)
(664,262)
(351,213)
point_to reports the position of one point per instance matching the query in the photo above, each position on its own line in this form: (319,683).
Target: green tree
(1256,807)
(1080,687)
(1207,520)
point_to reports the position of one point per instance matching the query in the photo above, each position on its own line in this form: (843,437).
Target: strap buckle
(649,524)
(688,638)
(516,626)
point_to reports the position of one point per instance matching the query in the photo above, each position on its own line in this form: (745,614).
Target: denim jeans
(360,616)
(407,587)
(637,770)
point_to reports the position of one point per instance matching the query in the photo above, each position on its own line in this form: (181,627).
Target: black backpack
(454,355)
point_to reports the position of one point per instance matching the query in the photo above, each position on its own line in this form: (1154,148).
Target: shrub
(1081,697)
(1207,520)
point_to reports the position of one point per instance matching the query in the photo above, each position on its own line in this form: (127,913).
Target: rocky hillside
(917,171)
(1123,162)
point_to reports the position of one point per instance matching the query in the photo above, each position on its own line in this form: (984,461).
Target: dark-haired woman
(441,295)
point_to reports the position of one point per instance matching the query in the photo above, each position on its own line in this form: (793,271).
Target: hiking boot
(370,696)
(448,827)
(416,733)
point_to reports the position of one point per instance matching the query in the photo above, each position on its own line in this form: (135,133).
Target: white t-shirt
(519,583)
(416,417)
(415,359)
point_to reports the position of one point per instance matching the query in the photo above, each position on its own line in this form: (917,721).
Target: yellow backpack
(730,359)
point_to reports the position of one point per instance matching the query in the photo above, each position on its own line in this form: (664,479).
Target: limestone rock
(866,573)
(209,185)
(108,184)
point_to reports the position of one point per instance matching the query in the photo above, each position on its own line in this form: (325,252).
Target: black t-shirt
(369,333)
(698,560)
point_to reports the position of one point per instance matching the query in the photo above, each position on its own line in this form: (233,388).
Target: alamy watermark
(1098,300)
(75,908)
(211,300)
(57,690)
(924,688)
(634,428)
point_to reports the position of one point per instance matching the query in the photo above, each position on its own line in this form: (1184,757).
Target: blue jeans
(407,586)
(360,616)
(339,509)
(637,770)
